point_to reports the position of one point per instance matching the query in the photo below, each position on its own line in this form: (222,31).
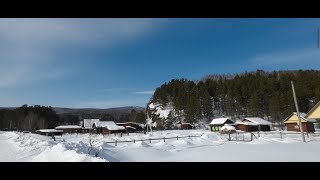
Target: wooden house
(185,125)
(216,124)
(132,127)
(292,123)
(314,113)
(253,124)
(107,127)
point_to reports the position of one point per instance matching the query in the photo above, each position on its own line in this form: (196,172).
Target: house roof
(219,121)
(69,127)
(124,123)
(313,108)
(302,116)
(49,130)
(246,123)
(111,125)
(257,121)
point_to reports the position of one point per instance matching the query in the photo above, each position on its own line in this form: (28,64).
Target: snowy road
(7,151)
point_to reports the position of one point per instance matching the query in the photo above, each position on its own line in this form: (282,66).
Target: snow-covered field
(210,146)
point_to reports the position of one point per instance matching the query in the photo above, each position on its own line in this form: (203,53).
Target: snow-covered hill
(209,146)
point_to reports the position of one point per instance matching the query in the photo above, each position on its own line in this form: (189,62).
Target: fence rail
(151,139)
(250,136)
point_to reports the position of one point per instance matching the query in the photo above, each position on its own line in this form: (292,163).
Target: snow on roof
(246,123)
(257,121)
(311,120)
(187,123)
(87,123)
(69,127)
(49,130)
(218,121)
(139,124)
(111,125)
(301,114)
(130,127)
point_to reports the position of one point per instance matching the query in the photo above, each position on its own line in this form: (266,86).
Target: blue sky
(105,63)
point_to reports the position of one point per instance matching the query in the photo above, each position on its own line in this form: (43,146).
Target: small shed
(292,123)
(70,128)
(217,123)
(253,124)
(185,126)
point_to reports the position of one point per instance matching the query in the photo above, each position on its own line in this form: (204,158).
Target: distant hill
(77,111)
(127,109)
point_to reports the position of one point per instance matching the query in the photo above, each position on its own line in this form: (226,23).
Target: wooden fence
(151,139)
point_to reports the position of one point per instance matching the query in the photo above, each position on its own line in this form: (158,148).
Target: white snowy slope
(209,146)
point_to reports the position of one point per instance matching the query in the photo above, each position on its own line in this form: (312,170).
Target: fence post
(236,136)
(177,137)
(243,136)
(307,134)
(189,136)
(116,142)
(150,140)
(280,135)
(258,133)
(251,136)
(121,134)
(134,141)
(164,139)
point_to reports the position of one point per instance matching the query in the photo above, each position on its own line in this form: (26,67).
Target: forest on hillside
(31,118)
(261,94)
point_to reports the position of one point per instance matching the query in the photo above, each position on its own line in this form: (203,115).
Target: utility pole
(298,113)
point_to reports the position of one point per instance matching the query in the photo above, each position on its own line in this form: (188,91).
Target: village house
(292,123)
(216,124)
(70,128)
(107,127)
(251,124)
(314,113)
(185,125)
(132,127)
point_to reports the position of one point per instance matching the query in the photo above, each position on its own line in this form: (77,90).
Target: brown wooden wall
(307,127)
(70,130)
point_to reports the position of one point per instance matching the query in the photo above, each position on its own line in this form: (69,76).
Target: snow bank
(59,153)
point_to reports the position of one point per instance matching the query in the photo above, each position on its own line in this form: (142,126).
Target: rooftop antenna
(298,113)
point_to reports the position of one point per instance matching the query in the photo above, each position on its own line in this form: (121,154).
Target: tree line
(31,118)
(261,94)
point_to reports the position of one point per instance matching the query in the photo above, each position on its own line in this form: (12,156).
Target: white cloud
(28,47)
(308,56)
(144,92)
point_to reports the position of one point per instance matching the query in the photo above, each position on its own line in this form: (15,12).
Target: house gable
(314,113)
